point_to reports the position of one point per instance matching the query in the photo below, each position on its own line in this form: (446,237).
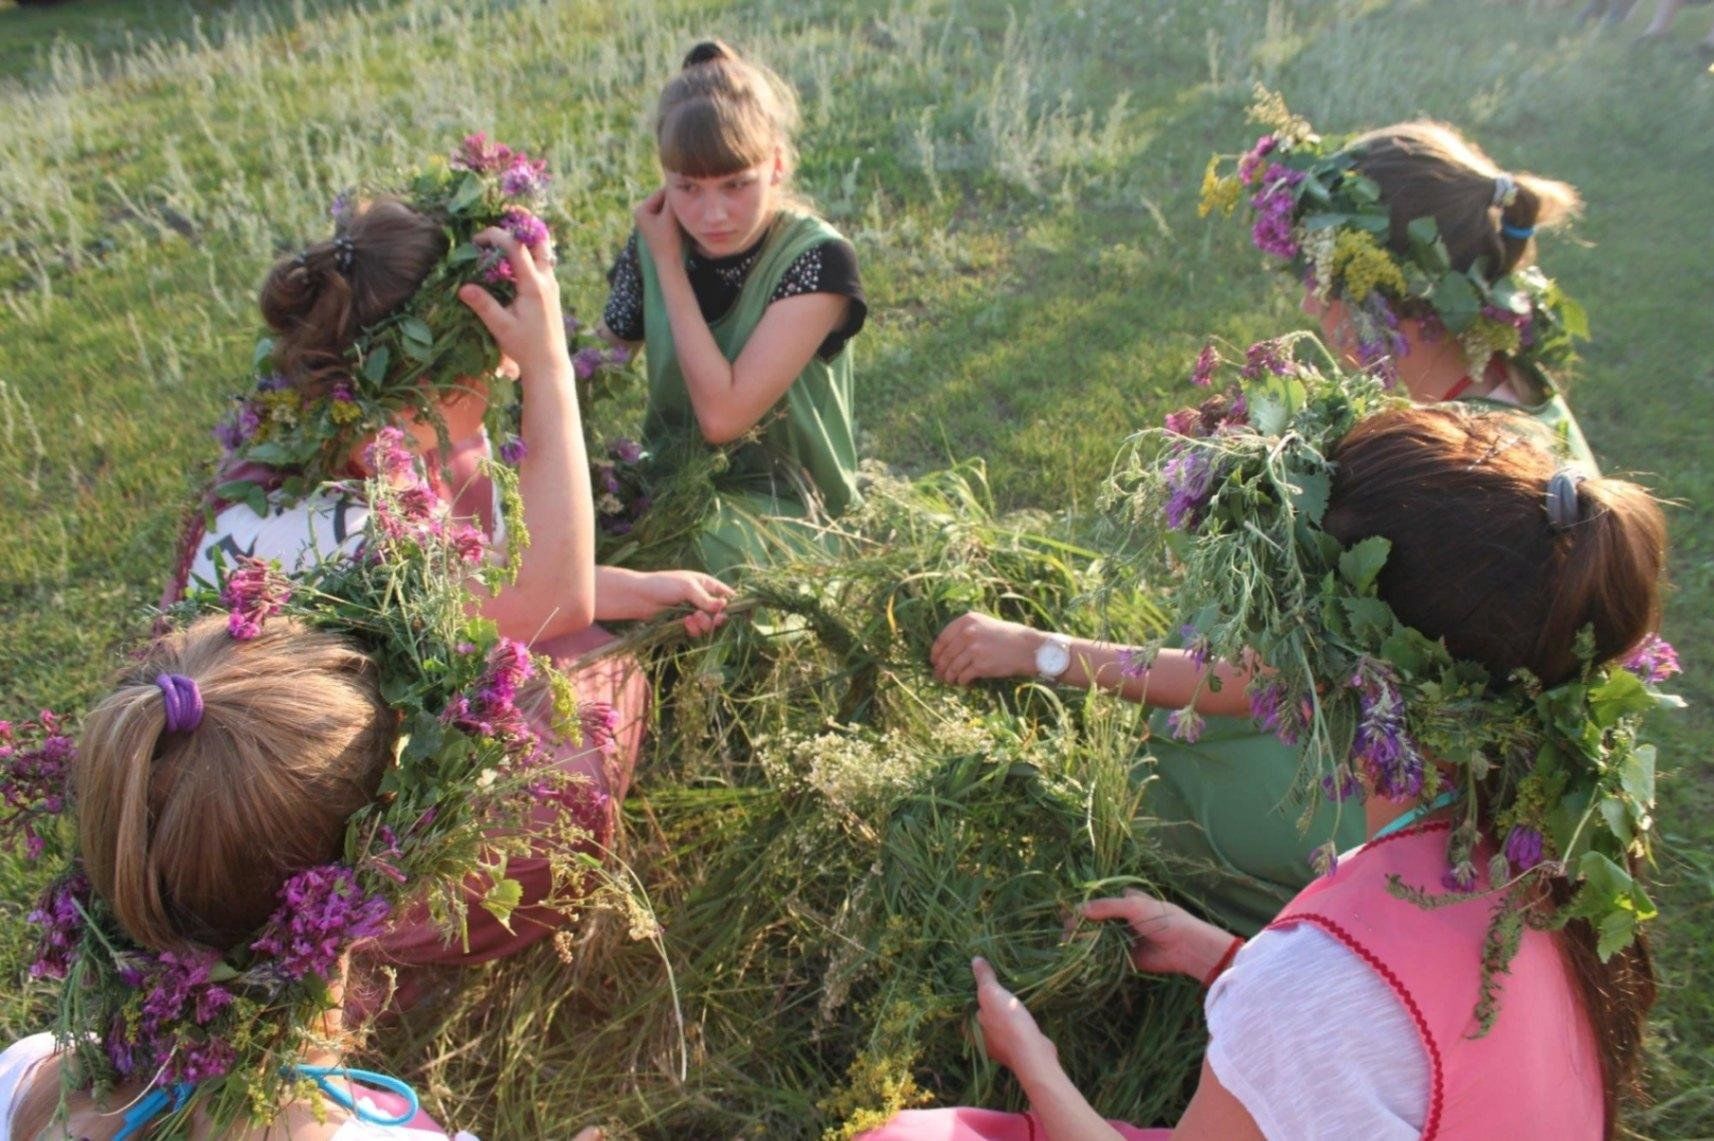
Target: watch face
(1052,658)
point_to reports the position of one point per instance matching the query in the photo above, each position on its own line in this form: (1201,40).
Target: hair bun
(708,51)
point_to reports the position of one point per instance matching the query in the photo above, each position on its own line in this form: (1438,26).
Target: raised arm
(731,397)
(555,589)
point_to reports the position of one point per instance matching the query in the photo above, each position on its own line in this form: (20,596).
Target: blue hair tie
(344,1099)
(1517,233)
(151,1105)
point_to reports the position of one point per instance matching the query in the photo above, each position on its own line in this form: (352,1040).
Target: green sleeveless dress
(802,460)
(1228,819)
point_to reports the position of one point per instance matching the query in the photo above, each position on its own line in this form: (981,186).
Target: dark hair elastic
(1563,506)
(183,702)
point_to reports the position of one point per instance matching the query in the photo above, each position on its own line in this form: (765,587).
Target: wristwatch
(1053,657)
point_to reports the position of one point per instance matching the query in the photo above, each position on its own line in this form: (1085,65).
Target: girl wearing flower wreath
(745,303)
(381,339)
(1446,609)
(217,771)
(1415,252)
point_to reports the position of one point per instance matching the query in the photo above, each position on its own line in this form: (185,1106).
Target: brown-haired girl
(215,771)
(1354,1013)
(316,302)
(745,303)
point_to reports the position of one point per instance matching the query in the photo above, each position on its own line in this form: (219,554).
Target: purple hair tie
(183,701)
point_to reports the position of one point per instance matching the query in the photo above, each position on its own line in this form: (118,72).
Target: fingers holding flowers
(530,329)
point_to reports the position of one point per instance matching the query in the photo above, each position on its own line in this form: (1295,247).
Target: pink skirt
(964,1124)
(593,802)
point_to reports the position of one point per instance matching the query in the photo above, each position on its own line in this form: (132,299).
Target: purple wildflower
(273,382)
(1523,848)
(1186,724)
(469,544)
(600,723)
(477,153)
(525,177)
(619,356)
(524,226)
(1654,660)
(253,593)
(1275,203)
(1382,342)
(1189,478)
(1381,745)
(1341,784)
(491,710)
(496,268)
(1195,645)
(625,451)
(1271,710)
(1206,361)
(513,451)
(390,458)
(1251,162)
(60,916)
(322,911)
(584,362)
(1266,357)
(35,763)
(1184,422)
(239,426)
(340,207)
(1324,859)
(1133,663)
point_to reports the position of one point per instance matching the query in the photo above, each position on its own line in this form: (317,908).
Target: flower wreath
(1327,226)
(219,1033)
(1243,484)
(427,348)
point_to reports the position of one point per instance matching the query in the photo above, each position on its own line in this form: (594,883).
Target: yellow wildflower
(1361,266)
(344,411)
(280,406)
(1217,193)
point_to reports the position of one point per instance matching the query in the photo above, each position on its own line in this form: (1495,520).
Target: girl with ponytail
(1474,968)
(215,771)
(744,302)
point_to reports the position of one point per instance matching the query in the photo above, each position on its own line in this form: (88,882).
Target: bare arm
(981,646)
(730,397)
(554,592)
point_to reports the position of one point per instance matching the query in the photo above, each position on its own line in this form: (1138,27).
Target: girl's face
(725,214)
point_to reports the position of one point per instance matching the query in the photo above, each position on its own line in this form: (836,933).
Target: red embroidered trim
(1225,961)
(1436,1072)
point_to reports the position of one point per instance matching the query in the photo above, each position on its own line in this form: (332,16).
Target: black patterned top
(830,267)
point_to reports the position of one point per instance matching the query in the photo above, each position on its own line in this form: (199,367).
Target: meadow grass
(1019,182)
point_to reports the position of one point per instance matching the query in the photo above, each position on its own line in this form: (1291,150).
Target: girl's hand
(531,330)
(1165,938)
(659,227)
(1009,1030)
(980,645)
(663,590)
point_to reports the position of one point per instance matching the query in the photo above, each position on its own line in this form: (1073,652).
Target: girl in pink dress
(1360,1011)
(315,303)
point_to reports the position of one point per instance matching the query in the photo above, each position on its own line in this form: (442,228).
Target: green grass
(1019,182)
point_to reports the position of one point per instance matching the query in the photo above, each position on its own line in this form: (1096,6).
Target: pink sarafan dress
(331,525)
(1535,1076)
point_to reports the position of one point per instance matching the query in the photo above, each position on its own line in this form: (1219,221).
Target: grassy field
(1019,181)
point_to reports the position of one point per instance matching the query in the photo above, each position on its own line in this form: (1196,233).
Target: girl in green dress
(744,303)
(1415,252)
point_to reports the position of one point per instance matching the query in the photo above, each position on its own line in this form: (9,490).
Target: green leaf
(1423,231)
(243,491)
(502,899)
(418,338)
(1456,300)
(467,194)
(1370,617)
(1309,494)
(1573,317)
(464,254)
(375,367)
(1362,564)
(1617,929)
(1620,695)
(1637,775)
(1325,221)
(1616,817)
(264,349)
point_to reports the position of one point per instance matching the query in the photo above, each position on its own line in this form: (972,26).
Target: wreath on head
(220,1033)
(1324,223)
(1242,484)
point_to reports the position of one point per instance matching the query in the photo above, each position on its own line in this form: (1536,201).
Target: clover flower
(322,912)
(491,709)
(513,451)
(60,916)
(1272,711)
(1266,357)
(253,593)
(1251,162)
(1186,724)
(1341,784)
(169,1034)
(524,226)
(626,451)
(1275,204)
(35,764)
(480,155)
(1654,660)
(584,362)
(525,177)
(1206,361)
